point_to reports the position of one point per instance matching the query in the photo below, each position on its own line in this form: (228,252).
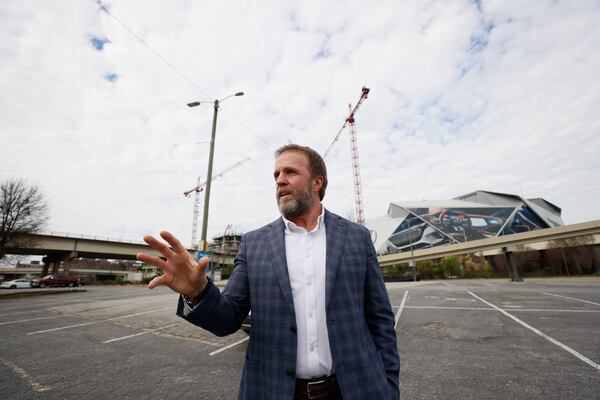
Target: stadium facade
(477,215)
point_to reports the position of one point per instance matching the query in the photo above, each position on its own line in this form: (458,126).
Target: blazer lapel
(276,239)
(335,229)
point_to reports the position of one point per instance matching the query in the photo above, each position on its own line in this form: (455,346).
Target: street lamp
(210,163)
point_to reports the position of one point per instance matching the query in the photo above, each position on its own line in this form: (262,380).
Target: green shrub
(451,267)
(426,269)
(486,270)
(471,269)
(226,271)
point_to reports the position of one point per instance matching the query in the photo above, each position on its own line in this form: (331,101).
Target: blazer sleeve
(380,317)
(222,313)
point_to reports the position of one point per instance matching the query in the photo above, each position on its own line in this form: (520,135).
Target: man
(322,324)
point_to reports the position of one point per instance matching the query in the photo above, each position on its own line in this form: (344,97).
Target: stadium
(472,216)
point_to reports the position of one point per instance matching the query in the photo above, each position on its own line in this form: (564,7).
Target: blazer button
(293,329)
(289,372)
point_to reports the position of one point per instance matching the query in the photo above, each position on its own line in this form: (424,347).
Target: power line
(156,53)
(175,69)
(247,128)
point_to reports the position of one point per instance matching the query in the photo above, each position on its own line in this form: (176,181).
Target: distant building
(473,216)
(224,248)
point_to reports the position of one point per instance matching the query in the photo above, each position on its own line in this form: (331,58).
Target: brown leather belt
(317,388)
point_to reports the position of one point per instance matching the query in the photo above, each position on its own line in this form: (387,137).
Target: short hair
(316,164)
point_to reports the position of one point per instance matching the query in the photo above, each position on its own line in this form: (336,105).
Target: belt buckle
(310,396)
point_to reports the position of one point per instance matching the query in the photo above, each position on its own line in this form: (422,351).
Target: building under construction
(223,250)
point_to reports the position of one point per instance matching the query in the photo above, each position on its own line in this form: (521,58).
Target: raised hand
(181,272)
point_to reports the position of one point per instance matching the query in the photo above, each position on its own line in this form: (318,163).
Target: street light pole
(412,255)
(209,177)
(210,164)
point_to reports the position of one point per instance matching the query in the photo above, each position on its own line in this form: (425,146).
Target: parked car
(16,284)
(407,276)
(60,280)
(247,324)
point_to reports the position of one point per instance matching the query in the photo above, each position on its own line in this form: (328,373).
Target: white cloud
(501,97)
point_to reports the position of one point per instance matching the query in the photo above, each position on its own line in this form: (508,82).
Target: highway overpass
(583,234)
(63,247)
(57,248)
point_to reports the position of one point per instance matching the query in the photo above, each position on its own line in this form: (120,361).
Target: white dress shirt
(305,254)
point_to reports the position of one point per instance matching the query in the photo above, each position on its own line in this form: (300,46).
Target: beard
(298,205)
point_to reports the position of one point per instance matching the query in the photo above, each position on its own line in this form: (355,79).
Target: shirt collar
(291,227)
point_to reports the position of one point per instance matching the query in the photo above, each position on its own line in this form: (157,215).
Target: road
(458,339)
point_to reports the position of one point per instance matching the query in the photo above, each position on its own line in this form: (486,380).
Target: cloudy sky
(465,95)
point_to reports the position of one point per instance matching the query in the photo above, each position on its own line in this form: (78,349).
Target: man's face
(294,186)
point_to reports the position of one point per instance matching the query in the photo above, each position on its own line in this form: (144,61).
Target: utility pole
(209,177)
(210,163)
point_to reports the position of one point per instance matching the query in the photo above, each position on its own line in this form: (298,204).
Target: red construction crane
(358,198)
(200,187)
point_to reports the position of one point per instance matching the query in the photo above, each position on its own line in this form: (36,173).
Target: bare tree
(23,210)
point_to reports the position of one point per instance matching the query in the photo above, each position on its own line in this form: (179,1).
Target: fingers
(157,262)
(159,280)
(173,241)
(158,246)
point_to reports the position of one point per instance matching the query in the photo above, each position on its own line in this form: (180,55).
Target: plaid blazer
(360,321)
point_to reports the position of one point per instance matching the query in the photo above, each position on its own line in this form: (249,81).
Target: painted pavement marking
(24,312)
(21,373)
(139,334)
(30,319)
(400,309)
(540,333)
(97,322)
(492,309)
(40,305)
(572,298)
(229,346)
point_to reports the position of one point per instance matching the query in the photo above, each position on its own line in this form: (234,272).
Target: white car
(16,284)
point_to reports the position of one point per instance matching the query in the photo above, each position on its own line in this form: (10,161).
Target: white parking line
(401,308)
(21,373)
(492,309)
(540,333)
(40,305)
(452,308)
(446,283)
(554,310)
(24,312)
(139,334)
(97,322)
(27,320)
(572,298)
(229,346)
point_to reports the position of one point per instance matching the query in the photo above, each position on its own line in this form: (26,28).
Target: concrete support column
(55,267)
(596,259)
(46,262)
(53,260)
(512,266)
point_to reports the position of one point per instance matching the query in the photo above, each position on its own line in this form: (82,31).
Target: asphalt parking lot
(458,339)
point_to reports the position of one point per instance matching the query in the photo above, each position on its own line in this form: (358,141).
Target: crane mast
(358,197)
(197,189)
